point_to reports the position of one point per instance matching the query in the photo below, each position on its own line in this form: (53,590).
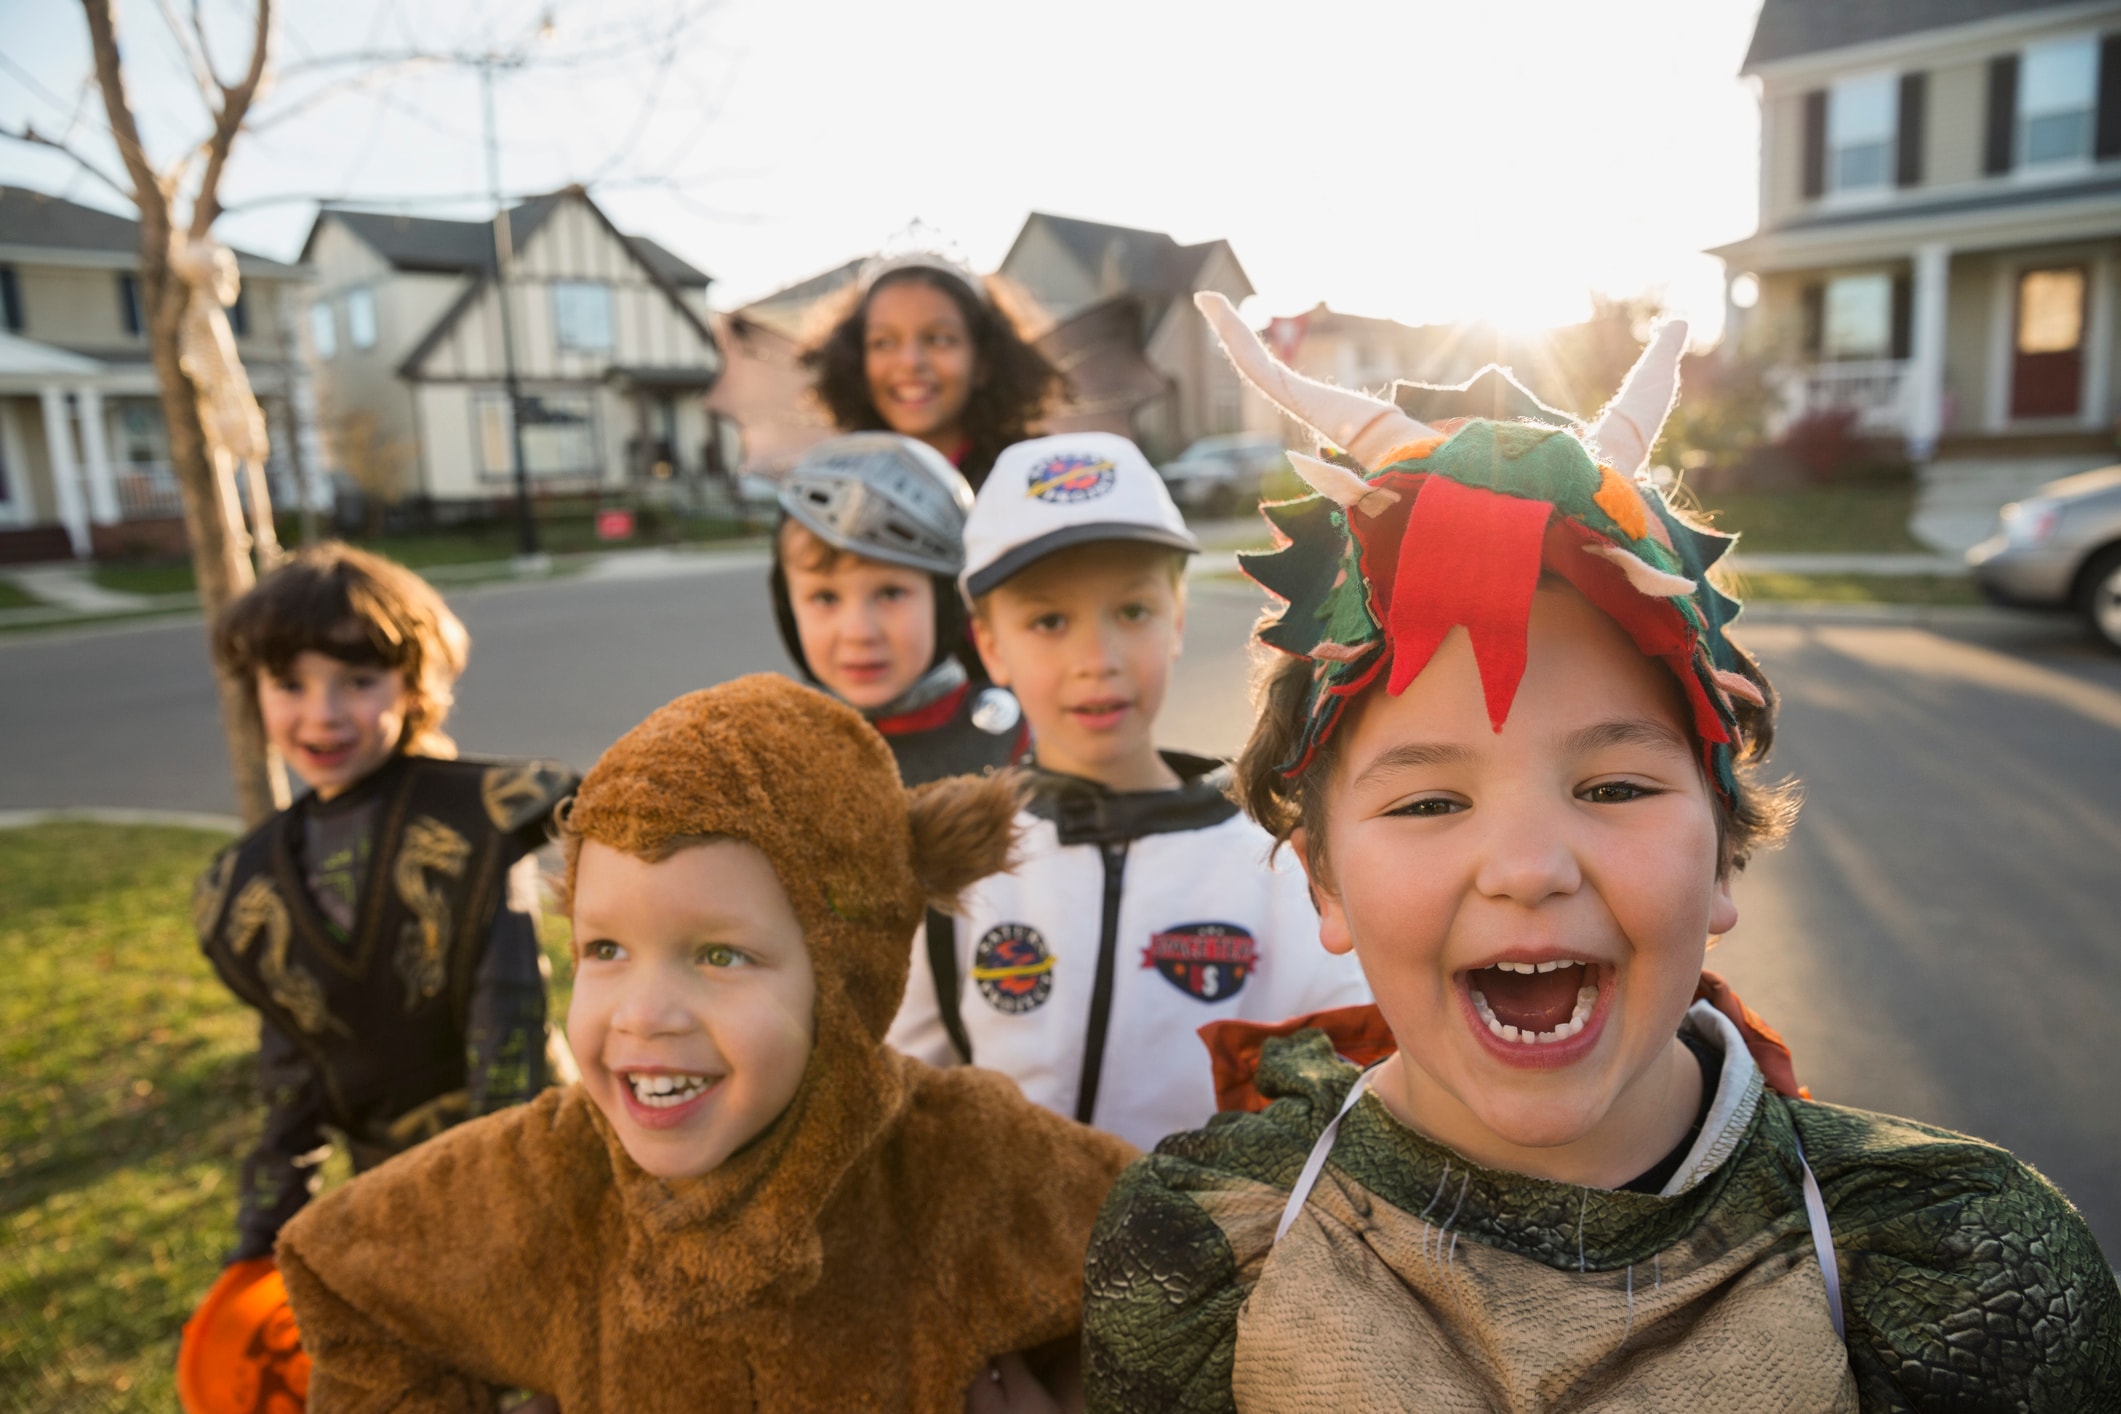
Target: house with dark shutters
(612,350)
(1940,215)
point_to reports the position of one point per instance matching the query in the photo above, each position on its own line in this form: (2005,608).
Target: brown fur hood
(894,1229)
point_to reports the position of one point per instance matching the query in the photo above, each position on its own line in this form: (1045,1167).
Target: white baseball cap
(1053,492)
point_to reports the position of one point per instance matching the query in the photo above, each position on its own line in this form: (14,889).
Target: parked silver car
(1223,475)
(2060,548)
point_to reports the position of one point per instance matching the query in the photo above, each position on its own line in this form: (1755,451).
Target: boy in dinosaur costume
(749,1202)
(1516,753)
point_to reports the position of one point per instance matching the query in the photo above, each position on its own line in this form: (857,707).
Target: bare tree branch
(206,50)
(202,69)
(110,77)
(27,133)
(338,88)
(235,102)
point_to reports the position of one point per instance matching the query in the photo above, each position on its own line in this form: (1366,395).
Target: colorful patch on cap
(1071,477)
(1012,968)
(1206,961)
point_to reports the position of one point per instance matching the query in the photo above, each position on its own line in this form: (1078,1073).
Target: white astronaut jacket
(1132,920)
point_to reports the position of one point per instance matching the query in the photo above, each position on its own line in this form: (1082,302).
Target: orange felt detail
(1622,502)
(1770,1052)
(1411,451)
(241,1352)
(1358,1033)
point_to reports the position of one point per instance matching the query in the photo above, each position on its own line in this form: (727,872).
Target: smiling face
(332,721)
(919,359)
(1086,638)
(692,1018)
(867,628)
(1531,908)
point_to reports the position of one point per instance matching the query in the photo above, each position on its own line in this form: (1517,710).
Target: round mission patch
(1012,968)
(1071,477)
(1206,961)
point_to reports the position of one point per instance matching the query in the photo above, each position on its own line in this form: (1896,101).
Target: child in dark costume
(384,926)
(750,1202)
(865,568)
(1514,749)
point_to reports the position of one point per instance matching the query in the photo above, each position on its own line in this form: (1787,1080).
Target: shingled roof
(34,218)
(1146,262)
(1788,28)
(433,245)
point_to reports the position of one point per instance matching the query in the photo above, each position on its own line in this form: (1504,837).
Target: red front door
(2047,360)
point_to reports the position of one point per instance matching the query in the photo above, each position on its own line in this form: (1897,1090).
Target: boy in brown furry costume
(749,1202)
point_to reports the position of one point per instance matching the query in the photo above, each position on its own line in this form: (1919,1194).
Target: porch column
(1925,365)
(66,476)
(95,454)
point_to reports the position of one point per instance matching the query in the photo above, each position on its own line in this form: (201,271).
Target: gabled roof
(523,222)
(1788,28)
(33,218)
(677,271)
(816,287)
(430,244)
(1146,262)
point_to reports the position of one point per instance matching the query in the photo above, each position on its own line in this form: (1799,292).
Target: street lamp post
(528,559)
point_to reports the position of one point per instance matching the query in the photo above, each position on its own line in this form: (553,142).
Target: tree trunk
(213,520)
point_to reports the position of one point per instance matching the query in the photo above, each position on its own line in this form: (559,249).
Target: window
(129,305)
(1860,131)
(2051,310)
(10,300)
(1859,317)
(361,318)
(323,329)
(581,313)
(142,440)
(2058,97)
(239,316)
(559,434)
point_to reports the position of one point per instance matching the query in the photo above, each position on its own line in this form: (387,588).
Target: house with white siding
(612,351)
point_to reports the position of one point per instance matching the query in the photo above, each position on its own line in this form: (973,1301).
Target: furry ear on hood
(964,828)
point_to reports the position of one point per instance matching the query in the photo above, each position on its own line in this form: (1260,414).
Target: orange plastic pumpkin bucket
(242,1353)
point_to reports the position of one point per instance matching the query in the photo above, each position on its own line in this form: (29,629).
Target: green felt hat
(1416,530)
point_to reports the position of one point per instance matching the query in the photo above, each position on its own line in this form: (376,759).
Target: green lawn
(126,1098)
(1860,588)
(14,596)
(561,535)
(1819,519)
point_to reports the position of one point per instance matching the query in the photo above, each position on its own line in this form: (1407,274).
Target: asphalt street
(1941,940)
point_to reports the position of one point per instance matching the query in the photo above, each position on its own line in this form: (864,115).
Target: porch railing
(1876,390)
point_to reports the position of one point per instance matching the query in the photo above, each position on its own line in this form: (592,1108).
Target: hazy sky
(1403,158)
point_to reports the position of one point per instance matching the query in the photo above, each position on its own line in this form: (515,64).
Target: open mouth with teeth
(1535,1003)
(659,1099)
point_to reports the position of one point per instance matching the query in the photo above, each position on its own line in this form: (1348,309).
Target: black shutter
(239,317)
(1813,305)
(1914,95)
(2002,114)
(1903,316)
(2107,142)
(10,300)
(1815,143)
(129,304)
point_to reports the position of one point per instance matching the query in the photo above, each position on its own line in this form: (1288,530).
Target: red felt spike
(1469,558)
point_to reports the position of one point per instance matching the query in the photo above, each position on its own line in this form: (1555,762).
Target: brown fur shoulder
(964,828)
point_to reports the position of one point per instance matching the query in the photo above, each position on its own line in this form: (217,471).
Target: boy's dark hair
(358,608)
(1759,818)
(1011,380)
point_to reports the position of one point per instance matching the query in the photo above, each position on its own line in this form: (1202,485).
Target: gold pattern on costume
(211,889)
(424,1122)
(259,909)
(519,793)
(430,847)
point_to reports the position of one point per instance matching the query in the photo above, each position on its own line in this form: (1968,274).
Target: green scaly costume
(1410,1278)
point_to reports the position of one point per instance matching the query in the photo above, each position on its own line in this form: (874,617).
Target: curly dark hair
(1760,818)
(1011,381)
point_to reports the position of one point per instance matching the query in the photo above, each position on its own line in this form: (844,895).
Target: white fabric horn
(1366,428)
(1628,428)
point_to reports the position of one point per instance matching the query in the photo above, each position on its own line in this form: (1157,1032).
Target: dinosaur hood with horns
(1418,530)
